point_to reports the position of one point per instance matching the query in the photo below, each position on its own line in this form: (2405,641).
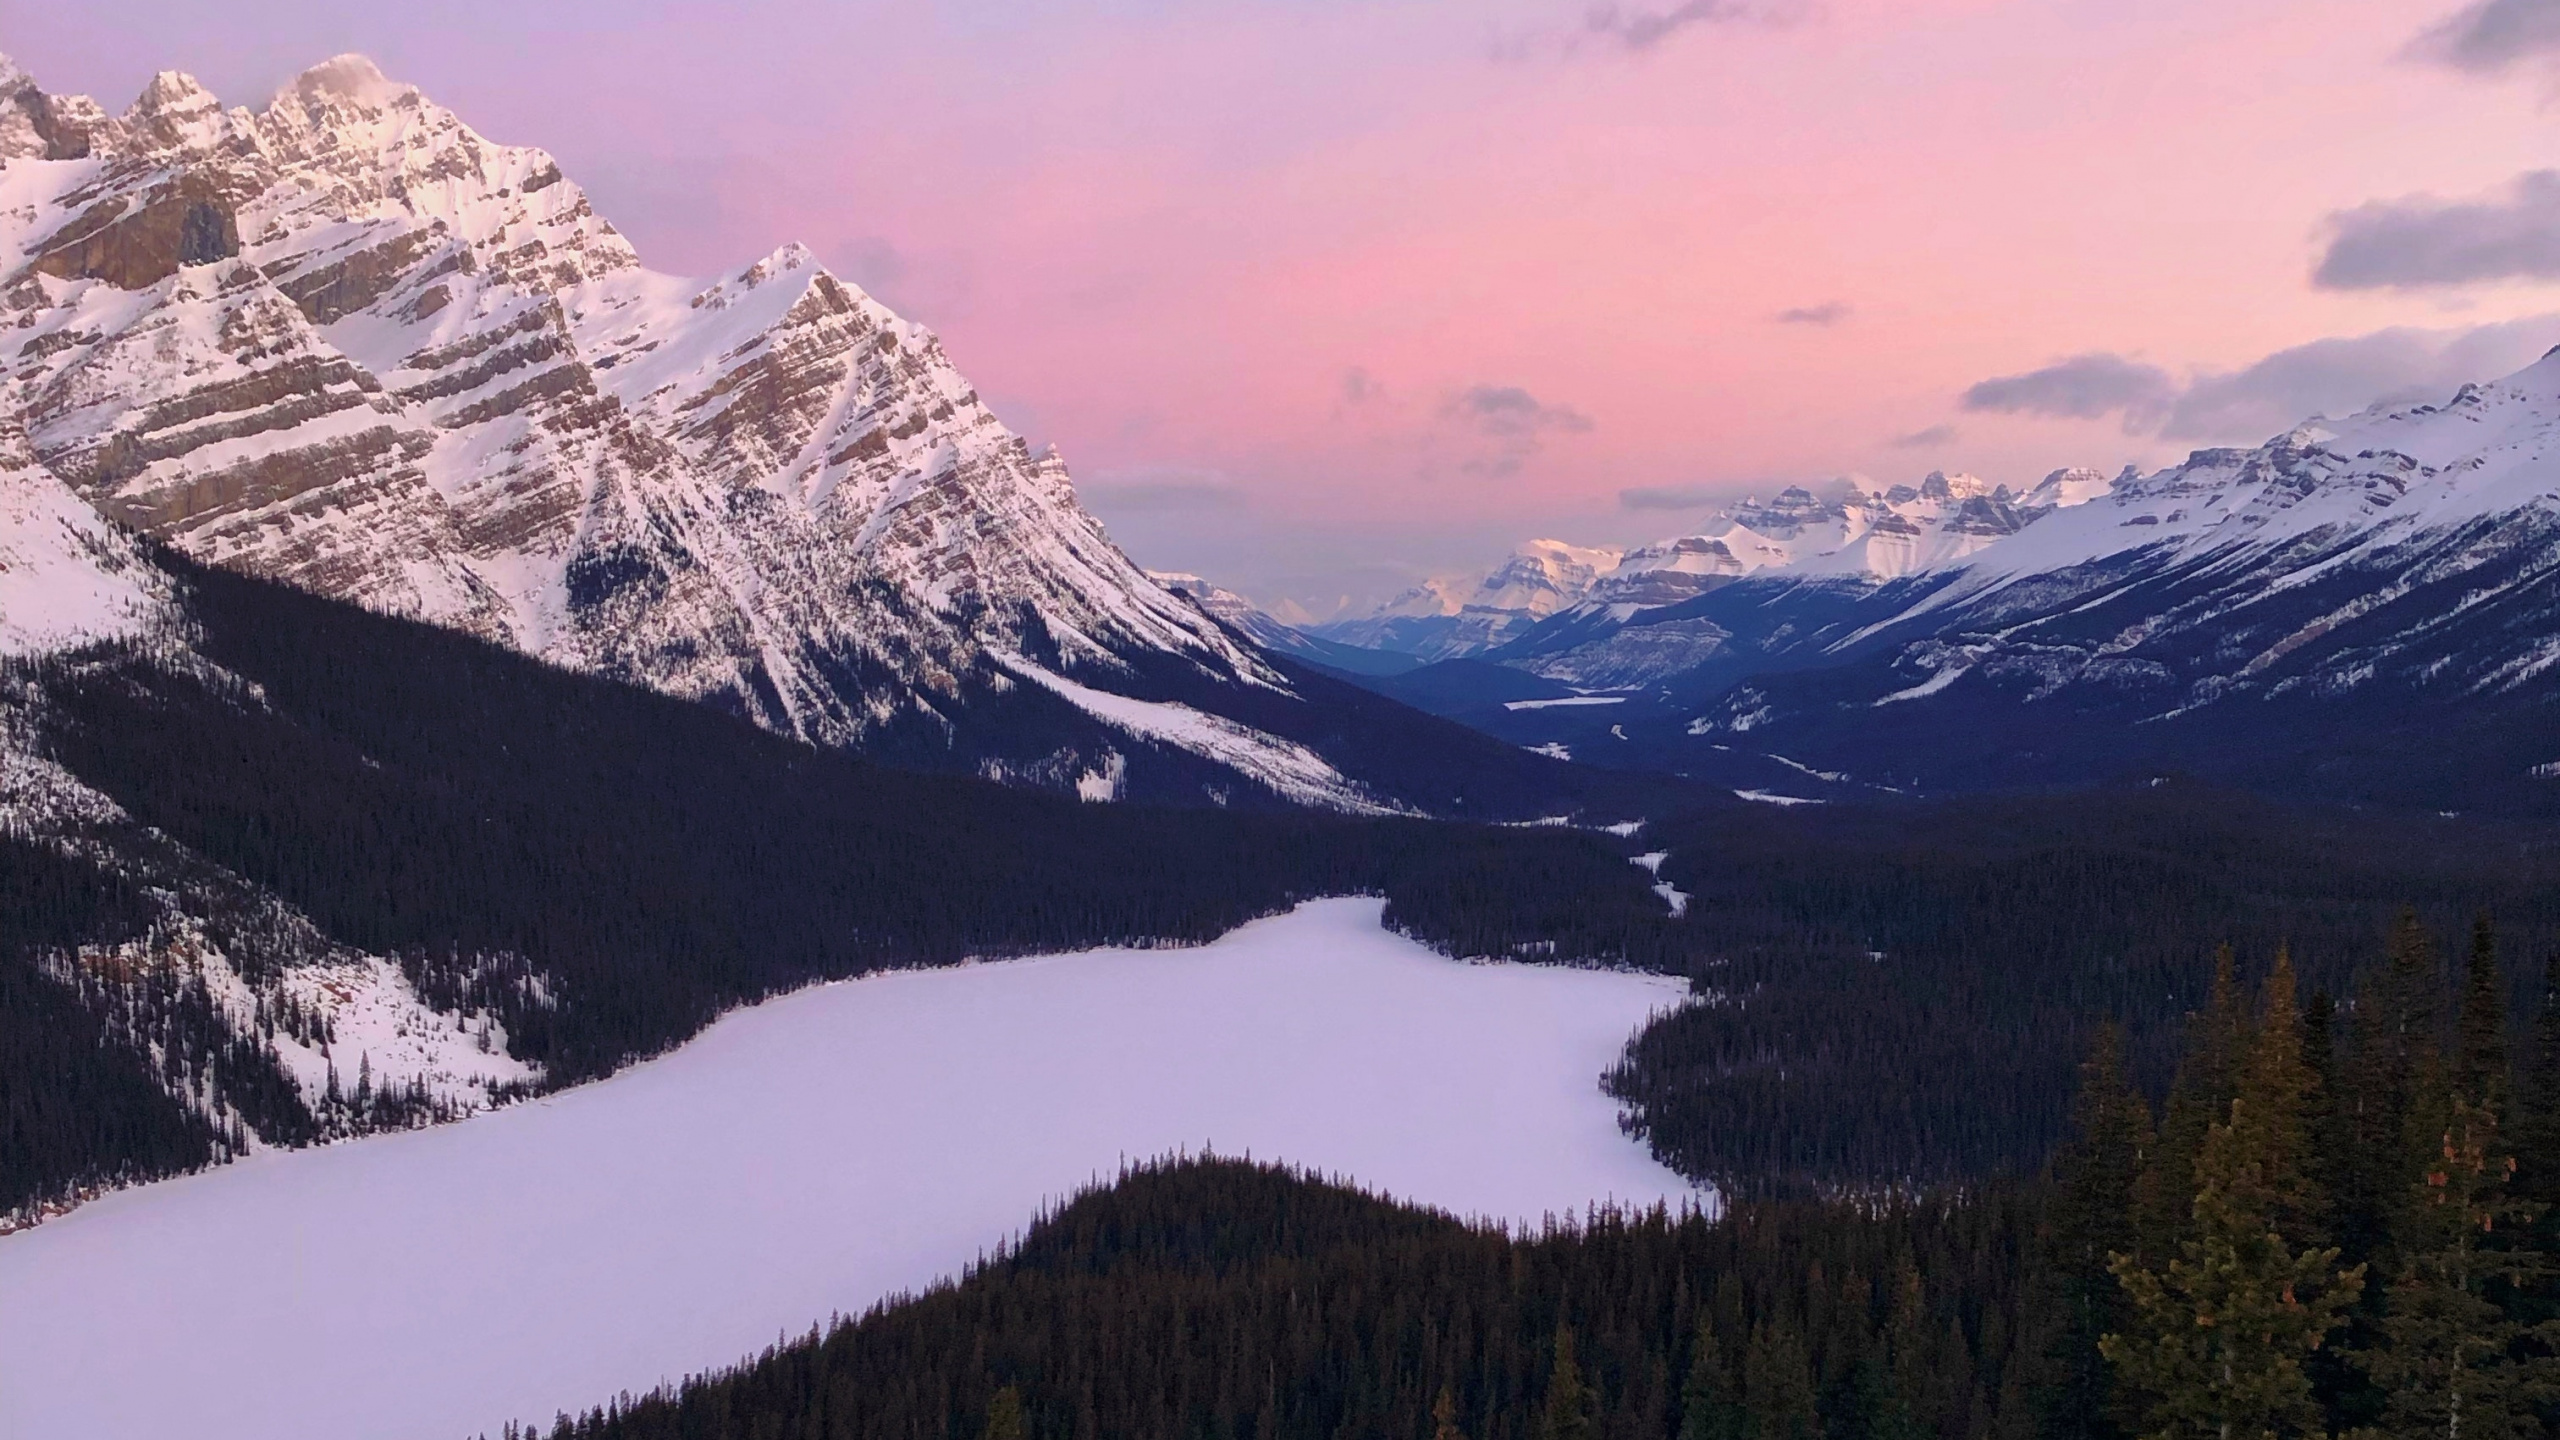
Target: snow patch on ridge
(67,578)
(1287,767)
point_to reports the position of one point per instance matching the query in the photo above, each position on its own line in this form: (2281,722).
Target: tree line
(1902,990)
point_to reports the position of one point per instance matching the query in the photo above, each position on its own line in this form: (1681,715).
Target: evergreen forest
(2339,1220)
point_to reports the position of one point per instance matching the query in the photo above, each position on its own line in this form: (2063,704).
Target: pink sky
(1318,297)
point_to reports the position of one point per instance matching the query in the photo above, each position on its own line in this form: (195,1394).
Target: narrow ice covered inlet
(804,1157)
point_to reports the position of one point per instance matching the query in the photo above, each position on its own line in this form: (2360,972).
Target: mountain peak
(175,112)
(349,77)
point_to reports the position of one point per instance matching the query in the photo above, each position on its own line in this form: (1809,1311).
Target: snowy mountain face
(1557,610)
(2368,606)
(347,342)
(1448,618)
(67,578)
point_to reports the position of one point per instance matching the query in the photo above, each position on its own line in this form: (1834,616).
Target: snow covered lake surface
(807,1156)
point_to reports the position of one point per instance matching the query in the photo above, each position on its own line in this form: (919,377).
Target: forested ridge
(1903,990)
(2340,1222)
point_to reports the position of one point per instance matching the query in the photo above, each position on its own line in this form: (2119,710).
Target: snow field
(801,1158)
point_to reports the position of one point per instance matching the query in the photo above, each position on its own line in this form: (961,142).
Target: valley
(801,1158)
(597,853)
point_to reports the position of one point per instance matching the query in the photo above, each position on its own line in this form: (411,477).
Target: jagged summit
(349,342)
(350,77)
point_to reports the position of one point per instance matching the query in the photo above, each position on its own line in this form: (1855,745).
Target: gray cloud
(2493,36)
(1829,312)
(2335,377)
(1670,497)
(2344,374)
(1508,410)
(2080,387)
(2420,240)
(1513,420)
(1359,387)
(1644,29)
(1923,439)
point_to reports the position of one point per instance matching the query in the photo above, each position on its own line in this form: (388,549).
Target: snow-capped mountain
(1449,617)
(347,342)
(2410,549)
(1559,610)
(2359,607)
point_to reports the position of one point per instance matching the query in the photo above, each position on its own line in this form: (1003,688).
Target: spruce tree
(2455,1364)
(1907,1406)
(2282,1091)
(2220,1335)
(1444,1417)
(1777,1385)
(2201,1094)
(2536,1129)
(2391,1071)
(2480,1037)
(2091,1220)
(1566,1415)
(1710,1402)
(2327,1115)
(1005,1417)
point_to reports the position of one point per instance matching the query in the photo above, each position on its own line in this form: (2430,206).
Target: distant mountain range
(2362,609)
(346,342)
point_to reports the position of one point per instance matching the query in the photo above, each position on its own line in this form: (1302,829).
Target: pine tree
(2455,1364)
(2536,1128)
(1005,1417)
(1710,1402)
(2201,1094)
(1566,1415)
(2221,1333)
(1777,1385)
(2090,1220)
(1444,1417)
(2480,1037)
(2392,1069)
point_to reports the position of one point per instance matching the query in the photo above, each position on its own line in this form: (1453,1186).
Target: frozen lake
(804,1157)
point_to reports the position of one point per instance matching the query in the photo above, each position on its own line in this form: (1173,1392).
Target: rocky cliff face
(347,342)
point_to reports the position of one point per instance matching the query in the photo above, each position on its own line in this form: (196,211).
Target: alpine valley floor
(804,1157)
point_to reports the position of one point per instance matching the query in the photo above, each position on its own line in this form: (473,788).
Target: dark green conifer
(1777,1385)
(1005,1417)
(1567,1411)
(1710,1400)
(2092,1221)
(2454,1363)
(2480,1036)
(2220,1335)
(2201,1095)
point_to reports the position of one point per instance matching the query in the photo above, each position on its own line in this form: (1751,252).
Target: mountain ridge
(347,342)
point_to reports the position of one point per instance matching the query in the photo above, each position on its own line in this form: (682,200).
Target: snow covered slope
(1555,609)
(2396,557)
(2359,607)
(444,1283)
(346,341)
(1446,618)
(67,578)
